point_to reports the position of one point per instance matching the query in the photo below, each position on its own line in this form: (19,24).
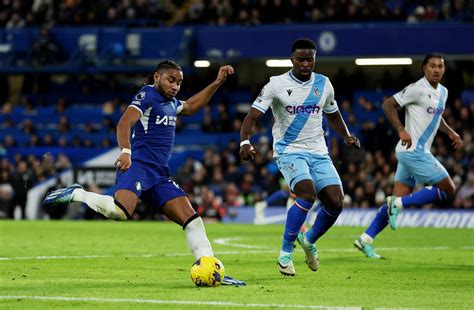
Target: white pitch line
(229,241)
(179,302)
(226,242)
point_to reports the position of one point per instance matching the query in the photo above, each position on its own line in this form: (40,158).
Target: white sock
(102,204)
(283,253)
(398,202)
(197,238)
(366,238)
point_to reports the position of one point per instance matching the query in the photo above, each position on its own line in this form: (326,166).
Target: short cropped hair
(167,64)
(433,55)
(303,44)
(160,67)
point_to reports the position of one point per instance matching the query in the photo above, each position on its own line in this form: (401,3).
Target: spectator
(22,182)
(45,50)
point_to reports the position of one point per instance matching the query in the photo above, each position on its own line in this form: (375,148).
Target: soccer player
(424,103)
(143,164)
(298,99)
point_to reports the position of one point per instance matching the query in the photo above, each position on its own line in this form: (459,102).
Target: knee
(307,196)
(335,202)
(450,191)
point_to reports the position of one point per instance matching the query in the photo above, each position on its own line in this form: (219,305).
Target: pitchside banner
(363,217)
(103,177)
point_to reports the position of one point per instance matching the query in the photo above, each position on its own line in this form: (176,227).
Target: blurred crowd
(219,183)
(155,13)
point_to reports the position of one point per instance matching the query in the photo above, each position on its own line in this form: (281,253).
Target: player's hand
(247,152)
(405,138)
(123,162)
(353,140)
(224,71)
(456,139)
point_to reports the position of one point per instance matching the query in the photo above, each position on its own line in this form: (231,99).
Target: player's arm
(247,152)
(337,122)
(128,119)
(390,107)
(455,138)
(196,102)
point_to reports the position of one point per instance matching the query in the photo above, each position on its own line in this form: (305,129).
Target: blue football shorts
(151,187)
(296,167)
(419,168)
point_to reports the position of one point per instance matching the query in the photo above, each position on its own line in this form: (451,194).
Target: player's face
(168,82)
(303,63)
(434,70)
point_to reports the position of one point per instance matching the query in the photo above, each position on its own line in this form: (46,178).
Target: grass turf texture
(426,268)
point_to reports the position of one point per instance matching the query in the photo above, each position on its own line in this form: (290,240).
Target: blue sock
(425,195)
(379,223)
(325,218)
(294,219)
(280,194)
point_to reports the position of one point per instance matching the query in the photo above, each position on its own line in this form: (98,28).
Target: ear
(156,76)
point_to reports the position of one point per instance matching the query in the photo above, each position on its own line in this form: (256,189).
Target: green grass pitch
(104,264)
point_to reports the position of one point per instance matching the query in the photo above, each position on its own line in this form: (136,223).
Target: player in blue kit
(424,102)
(298,99)
(143,171)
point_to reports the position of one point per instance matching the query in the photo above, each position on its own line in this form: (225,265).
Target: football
(207,271)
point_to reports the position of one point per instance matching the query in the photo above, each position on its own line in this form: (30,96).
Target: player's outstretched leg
(103,204)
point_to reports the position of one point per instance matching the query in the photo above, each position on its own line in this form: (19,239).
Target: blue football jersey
(153,135)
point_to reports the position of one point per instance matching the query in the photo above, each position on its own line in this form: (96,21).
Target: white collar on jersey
(310,81)
(428,83)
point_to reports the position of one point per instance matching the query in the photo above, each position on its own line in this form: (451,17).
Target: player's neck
(433,84)
(301,78)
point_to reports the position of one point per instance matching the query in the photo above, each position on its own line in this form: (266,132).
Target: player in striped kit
(424,103)
(298,99)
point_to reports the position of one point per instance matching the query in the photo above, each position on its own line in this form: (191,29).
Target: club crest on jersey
(140,95)
(316,91)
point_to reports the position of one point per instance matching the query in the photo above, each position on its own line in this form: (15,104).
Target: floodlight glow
(278,63)
(202,63)
(383,61)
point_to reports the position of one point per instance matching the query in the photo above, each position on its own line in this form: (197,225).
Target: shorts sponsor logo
(138,186)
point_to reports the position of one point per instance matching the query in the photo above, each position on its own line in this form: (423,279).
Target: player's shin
(294,220)
(425,195)
(103,204)
(196,237)
(378,224)
(325,218)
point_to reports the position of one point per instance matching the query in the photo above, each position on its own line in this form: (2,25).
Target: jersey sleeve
(179,106)
(409,94)
(330,106)
(141,101)
(265,98)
